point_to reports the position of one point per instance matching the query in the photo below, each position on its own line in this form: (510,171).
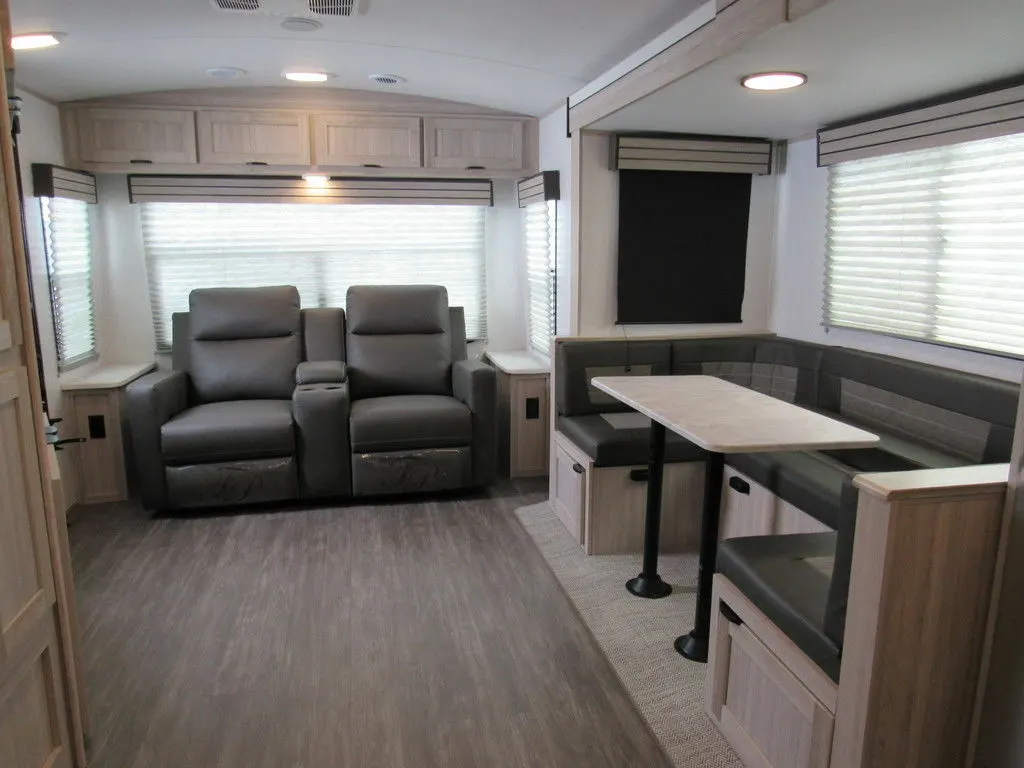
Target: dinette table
(720,417)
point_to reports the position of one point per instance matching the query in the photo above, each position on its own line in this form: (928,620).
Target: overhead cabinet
(368,141)
(253,137)
(473,143)
(142,136)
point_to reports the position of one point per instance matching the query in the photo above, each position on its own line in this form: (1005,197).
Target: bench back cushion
(961,413)
(579,361)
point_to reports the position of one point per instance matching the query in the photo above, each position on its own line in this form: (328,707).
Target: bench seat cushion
(787,578)
(625,445)
(805,480)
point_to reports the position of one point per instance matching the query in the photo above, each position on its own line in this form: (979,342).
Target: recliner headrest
(224,314)
(383,310)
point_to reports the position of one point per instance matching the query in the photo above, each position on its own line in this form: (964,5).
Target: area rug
(636,635)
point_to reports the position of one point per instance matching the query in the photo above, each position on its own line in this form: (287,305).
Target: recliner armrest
(321,372)
(151,402)
(475,383)
(321,415)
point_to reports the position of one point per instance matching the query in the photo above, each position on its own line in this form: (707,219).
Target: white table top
(519,363)
(104,376)
(727,418)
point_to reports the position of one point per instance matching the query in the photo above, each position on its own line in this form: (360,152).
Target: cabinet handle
(578,469)
(730,615)
(141,162)
(256,162)
(476,167)
(639,475)
(739,485)
(372,165)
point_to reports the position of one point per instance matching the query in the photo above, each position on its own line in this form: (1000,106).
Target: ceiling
(517,55)
(860,56)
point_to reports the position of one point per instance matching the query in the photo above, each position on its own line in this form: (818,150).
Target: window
(67,235)
(930,245)
(540,237)
(320,249)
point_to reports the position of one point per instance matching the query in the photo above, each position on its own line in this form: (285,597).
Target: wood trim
(951,482)
(5,335)
(74,698)
(736,25)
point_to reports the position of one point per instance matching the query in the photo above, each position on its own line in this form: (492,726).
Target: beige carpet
(636,635)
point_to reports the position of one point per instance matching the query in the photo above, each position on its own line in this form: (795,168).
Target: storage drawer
(569,495)
(750,509)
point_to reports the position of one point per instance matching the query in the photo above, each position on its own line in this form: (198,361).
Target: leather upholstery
(409,422)
(232,482)
(243,429)
(398,341)
(323,333)
(775,574)
(228,314)
(151,401)
(321,428)
(575,362)
(475,384)
(611,447)
(323,372)
(457,319)
(420,471)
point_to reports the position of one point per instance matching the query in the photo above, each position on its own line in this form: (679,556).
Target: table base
(692,647)
(649,586)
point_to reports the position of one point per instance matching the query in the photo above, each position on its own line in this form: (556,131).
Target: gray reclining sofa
(261,405)
(926,417)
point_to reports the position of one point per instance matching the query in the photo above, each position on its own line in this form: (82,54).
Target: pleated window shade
(67,235)
(320,249)
(540,234)
(929,245)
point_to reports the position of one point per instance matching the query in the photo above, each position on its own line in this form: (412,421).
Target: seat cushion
(805,480)
(231,431)
(408,422)
(623,439)
(788,577)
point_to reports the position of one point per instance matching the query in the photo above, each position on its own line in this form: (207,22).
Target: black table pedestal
(694,646)
(648,583)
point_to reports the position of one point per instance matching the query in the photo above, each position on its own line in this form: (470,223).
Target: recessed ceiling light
(35,40)
(224,73)
(773,81)
(300,24)
(308,77)
(388,80)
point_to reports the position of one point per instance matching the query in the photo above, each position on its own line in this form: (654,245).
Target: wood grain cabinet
(750,509)
(143,136)
(253,137)
(367,140)
(473,143)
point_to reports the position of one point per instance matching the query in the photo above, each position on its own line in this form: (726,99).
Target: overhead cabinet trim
(537,189)
(691,153)
(292,189)
(998,112)
(57,181)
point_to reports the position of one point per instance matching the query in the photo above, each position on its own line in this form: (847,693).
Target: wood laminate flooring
(401,635)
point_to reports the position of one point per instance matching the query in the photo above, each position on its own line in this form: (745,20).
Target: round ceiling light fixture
(301,24)
(774,81)
(36,40)
(389,81)
(225,73)
(308,77)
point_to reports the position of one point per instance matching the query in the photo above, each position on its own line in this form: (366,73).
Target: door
(370,141)
(474,143)
(253,137)
(143,136)
(33,714)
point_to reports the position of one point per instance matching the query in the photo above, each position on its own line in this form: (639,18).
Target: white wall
(597,206)
(799,279)
(556,155)
(40,142)
(124,320)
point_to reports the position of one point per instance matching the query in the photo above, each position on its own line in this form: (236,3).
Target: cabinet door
(474,143)
(376,142)
(570,492)
(529,422)
(136,136)
(254,137)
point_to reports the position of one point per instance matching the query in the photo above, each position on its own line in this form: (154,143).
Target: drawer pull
(578,469)
(737,484)
(731,616)
(639,475)
(256,162)
(140,161)
(371,165)
(476,167)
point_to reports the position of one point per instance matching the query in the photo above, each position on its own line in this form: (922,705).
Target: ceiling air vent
(332,7)
(389,80)
(237,5)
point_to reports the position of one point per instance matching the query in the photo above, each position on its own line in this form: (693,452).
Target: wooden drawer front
(354,140)
(136,135)
(747,508)
(768,716)
(570,497)
(530,435)
(472,143)
(253,137)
